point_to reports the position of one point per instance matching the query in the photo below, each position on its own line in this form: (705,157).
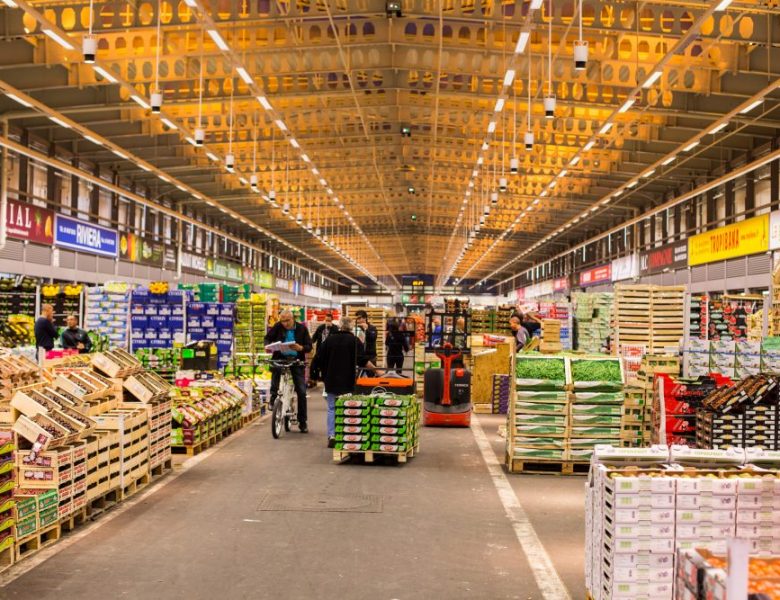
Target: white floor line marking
(28,564)
(547,578)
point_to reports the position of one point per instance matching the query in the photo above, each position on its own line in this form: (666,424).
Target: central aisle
(438,530)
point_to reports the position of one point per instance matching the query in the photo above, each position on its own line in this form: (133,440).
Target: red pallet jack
(447,392)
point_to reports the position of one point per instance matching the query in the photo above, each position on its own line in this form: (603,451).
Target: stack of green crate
(249,335)
(382,423)
(36,509)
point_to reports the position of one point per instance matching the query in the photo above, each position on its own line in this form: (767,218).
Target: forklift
(447,390)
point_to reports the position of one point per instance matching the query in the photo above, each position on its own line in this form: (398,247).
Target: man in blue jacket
(288,331)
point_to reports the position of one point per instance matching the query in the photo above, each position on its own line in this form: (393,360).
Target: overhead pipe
(4,189)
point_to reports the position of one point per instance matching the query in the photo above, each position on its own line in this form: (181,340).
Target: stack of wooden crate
(551,336)
(649,315)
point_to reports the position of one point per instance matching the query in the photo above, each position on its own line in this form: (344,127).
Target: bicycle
(285,409)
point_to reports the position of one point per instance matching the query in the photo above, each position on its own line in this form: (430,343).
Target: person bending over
(288,331)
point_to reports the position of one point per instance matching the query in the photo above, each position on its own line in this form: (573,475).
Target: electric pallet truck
(447,391)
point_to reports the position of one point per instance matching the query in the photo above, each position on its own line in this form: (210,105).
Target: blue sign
(85,237)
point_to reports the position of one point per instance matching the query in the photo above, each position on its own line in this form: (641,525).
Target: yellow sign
(750,236)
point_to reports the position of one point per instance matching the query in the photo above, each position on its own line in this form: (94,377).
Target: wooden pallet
(135,485)
(72,521)
(544,466)
(97,506)
(162,468)
(38,541)
(369,456)
(7,556)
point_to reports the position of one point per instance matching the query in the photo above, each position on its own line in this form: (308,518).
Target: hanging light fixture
(514,162)
(286,205)
(89,42)
(200,135)
(580,48)
(157,97)
(254,182)
(272,191)
(549,98)
(528,137)
(230,159)
(299,216)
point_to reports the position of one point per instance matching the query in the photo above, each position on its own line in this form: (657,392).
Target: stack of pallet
(593,312)
(650,315)
(551,336)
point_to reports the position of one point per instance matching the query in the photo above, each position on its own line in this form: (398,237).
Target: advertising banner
(85,237)
(32,223)
(750,236)
(668,257)
(596,275)
(774,230)
(626,267)
(561,285)
(193,261)
(133,248)
(263,279)
(218,269)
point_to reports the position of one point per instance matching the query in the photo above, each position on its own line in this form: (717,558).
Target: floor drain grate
(305,503)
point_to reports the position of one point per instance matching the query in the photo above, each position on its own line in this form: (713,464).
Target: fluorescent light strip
(264,102)
(191,3)
(58,38)
(563,173)
(522,42)
(632,184)
(574,161)
(221,44)
(648,173)
(120,154)
(626,105)
(280,124)
(690,146)
(10,4)
(589,145)
(480,160)
(668,161)
(212,156)
(93,140)
(747,109)
(143,103)
(164,178)
(168,123)
(192,141)
(60,122)
(16,98)
(182,188)
(144,167)
(723,5)
(491,127)
(499,105)
(605,128)
(655,76)
(242,72)
(718,128)
(105,74)
(305,158)
(509,77)
(294,143)
(536,4)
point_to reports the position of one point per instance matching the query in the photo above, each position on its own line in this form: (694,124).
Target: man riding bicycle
(296,334)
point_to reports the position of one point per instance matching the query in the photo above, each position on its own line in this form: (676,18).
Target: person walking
(296,334)
(340,355)
(397,346)
(45,331)
(320,335)
(369,335)
(73,337)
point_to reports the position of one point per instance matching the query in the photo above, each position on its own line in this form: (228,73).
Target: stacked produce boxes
(212,321)
(501,393)
(9,514)
(203,413)
(156,319)
(593,312)
(674,407)
(250,322)
(107,312)
(384,424)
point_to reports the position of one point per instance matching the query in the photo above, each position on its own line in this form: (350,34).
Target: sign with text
(85,237)
(774,230)
(193,261)
(561,284)
(750,236)
(27,222)
(133,248)
(596,275)
(669,257)
(626,267)
(263,279)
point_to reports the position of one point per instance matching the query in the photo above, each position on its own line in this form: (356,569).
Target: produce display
(699,316)
(596,372)
(156,320)
(643,505)
(562,313)
(541,371)
(8,509)
(212,321)
(203,411)
(593,313)
(380,423)
(107,312)
(674,407)
(703,574)
(66,300)
(502,385)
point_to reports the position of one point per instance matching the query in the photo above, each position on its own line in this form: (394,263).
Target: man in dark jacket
(73,337)
(370,333)
(288,331)
(339,357)
(45,331)
(320,335)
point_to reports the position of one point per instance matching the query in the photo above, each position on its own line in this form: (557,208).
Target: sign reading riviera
(85,237)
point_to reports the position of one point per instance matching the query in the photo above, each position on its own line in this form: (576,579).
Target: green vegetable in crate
(596,370)
(540,368)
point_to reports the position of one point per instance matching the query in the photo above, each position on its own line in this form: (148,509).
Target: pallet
(7,556)
(136,485)
(72,521)
(97,506)
(161,469)
(542,466)
(38,541)
(369,456)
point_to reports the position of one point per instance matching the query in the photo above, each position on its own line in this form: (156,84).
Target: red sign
(27,222)
(561,284)
(520,294)
(596,275)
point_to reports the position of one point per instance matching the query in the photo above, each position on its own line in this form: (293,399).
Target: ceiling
(343,79)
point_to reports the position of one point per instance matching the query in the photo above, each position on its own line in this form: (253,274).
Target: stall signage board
(602,274)
(234,272)
(193,261)
(85,237)
(626,267)
(264,279)
(774,230)
(667,257)
(561,284)
(520,292)
(27,222)
(133,248)
(750,236)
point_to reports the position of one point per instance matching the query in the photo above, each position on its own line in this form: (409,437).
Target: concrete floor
(438,529)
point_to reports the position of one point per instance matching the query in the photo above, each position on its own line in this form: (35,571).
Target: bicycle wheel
(278,419)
